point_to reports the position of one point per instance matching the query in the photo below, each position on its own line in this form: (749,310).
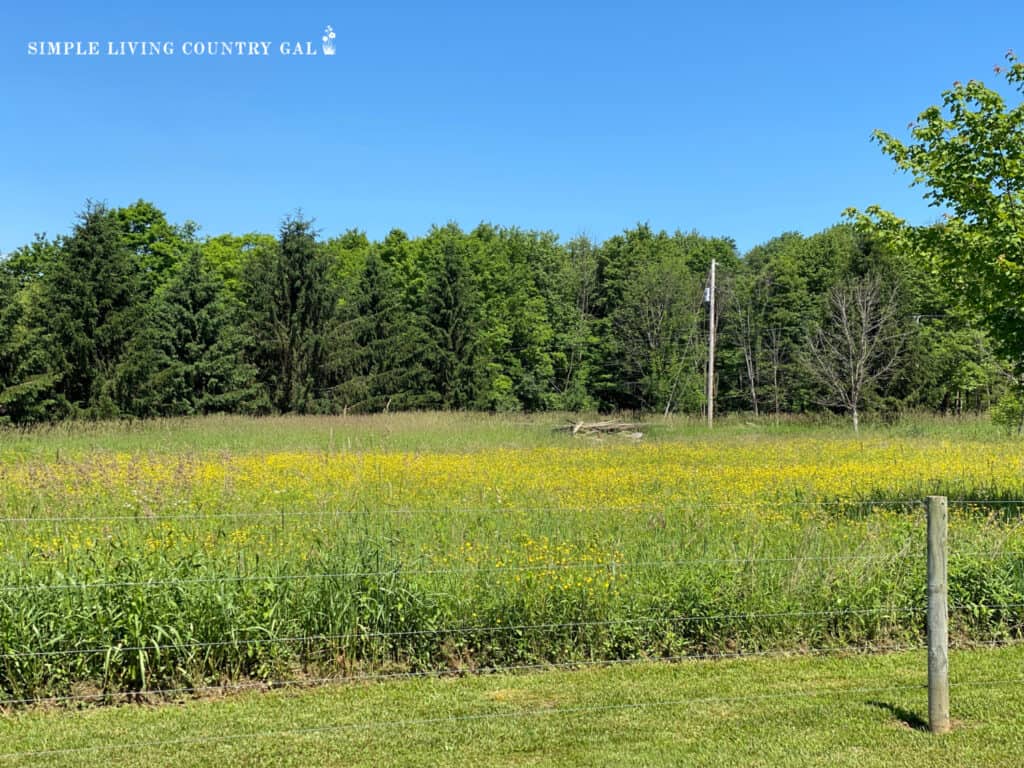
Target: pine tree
(451,316)
(382,341)
(290,315)
(188,357)
(89,307)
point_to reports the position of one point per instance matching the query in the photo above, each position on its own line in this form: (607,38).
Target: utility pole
(711,347)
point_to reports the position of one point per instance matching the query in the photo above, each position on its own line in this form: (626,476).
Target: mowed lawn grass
(861,710)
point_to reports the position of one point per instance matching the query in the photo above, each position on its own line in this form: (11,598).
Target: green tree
(451,311)
(968,154)
(155,245)
(347,256)
(514,357)
(573,292)
(27,377)
(12,349)
(86,310)
(289,315)
(187,357)
(657,330)
(381,342)
(648,314)
(616,381)
(229,257)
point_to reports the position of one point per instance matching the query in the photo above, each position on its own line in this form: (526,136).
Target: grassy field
(188,554)
(857,711)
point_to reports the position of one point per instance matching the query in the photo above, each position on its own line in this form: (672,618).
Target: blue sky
(735,119)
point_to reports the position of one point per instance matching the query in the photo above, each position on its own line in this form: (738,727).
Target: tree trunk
(856,420)
(775,390)
(748,359)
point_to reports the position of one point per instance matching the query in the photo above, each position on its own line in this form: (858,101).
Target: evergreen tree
(290,314)
(188,357)
(11,311)
(88,309)
(125,316)
(26,386)
(451,315)
(382,342)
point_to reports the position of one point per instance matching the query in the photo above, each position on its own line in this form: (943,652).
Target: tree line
(131,315)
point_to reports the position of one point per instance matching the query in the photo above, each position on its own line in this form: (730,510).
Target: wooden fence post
(938,616)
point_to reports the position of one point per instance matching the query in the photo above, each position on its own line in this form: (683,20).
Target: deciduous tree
(857,346)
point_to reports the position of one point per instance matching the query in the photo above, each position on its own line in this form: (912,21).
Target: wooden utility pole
(938,617)
(711,347)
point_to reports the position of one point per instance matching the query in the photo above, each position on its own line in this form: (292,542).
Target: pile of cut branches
(598,428)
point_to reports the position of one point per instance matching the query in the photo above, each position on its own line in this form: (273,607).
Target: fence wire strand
(611,566)
(496,628)
(283,514)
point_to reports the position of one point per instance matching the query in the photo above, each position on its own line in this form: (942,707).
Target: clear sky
(735,119)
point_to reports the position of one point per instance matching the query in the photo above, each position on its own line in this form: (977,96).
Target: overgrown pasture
(174,556)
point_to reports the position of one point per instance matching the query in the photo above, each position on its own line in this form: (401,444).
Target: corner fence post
(938,616)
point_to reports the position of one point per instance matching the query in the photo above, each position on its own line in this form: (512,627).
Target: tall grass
(441,431)
(181,554)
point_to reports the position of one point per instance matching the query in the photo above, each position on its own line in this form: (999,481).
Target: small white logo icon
(328,41)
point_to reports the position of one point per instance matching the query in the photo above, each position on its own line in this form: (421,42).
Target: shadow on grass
(905,716)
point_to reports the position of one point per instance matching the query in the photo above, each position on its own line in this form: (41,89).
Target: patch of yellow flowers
(770,478)
(737,472)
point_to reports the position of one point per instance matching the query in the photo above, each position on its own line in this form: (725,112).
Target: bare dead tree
(857,346)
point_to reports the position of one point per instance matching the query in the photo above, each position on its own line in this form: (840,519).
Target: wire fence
(473,570)
(986,623)
(143,517)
